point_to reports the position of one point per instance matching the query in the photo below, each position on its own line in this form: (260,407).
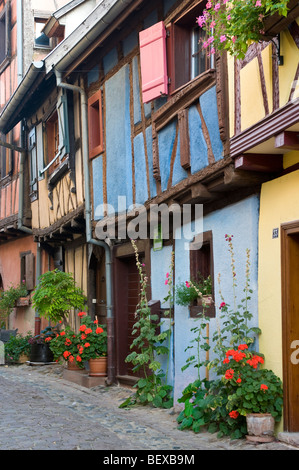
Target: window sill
(58,173)
(33,196)
(183,97)
(5,180)
(4,64)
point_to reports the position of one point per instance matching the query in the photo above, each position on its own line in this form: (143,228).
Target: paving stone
(40,410)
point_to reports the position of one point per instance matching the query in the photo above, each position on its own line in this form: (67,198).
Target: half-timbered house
(154,116)
(21,41)
(146,119)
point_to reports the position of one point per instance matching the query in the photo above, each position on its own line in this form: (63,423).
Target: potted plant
(65,346)
(93,345)
(8,300)
(56,294)
(233,25)
(17,348)
(256,393)
(189,292)
(40,350)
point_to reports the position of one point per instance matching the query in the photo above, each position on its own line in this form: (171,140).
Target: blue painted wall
(122,172)
(240,220)
(118,138)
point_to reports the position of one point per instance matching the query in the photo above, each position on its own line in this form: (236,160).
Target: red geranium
(234,414)
(229,374)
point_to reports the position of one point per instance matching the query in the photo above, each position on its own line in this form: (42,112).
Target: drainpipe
(20,39)
(89,239)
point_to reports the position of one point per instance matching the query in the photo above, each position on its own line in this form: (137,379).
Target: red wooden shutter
(153,62)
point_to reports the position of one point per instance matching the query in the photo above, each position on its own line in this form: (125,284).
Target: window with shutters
(57,130)
(172,55)
(52,133)
(28,269)
(187,57)
(95,124)
(201,264)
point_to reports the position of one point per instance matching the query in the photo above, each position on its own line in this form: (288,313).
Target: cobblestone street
(42,411)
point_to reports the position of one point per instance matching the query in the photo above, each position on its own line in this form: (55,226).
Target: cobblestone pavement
(39,410)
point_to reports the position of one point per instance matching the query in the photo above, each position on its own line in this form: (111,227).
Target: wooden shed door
(290,319)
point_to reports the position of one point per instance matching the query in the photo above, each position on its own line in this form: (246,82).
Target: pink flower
(213,24)
(222,38)
(222,305)
(200,21)
(213,50)
(187,284)
(166,282)
(228,17)
(258,3)
(209,5)
(234,39)
(217,6)
(167,274)
(211,39)
(205,45)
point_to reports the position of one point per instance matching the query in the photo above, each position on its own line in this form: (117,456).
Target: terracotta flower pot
(98,367)
(260,427)
(72,365)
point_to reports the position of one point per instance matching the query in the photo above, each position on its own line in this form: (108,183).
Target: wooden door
(133,299)
(290,324)
(126,299)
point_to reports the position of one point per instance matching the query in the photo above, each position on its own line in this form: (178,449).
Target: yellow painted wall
(290,53)
(279,203)
(252,106)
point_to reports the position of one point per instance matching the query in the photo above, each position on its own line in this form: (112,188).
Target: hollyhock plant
(238,383)
(235,24)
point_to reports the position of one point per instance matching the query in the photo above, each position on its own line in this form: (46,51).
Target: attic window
(40,39)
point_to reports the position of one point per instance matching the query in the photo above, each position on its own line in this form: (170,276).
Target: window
(52,132)
(58,128)
(27,269)
(174,55)
(95,124)
(6,156)
(40,39)
(186,57)
(33,164)
(201,264)
(4,35)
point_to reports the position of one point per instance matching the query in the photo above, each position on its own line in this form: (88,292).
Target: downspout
(20,39)
(89,239)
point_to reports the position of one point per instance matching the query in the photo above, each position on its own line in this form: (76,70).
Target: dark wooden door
(133,299)
(127,288)
(290,322)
